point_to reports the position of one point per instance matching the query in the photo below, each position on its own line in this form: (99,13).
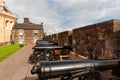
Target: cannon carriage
(45,50)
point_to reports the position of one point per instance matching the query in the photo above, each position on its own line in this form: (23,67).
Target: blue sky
(62,15)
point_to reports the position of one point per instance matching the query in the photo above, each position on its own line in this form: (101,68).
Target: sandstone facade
(7,21)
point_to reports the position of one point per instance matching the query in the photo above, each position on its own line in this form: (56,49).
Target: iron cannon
(69,69)
(44,50)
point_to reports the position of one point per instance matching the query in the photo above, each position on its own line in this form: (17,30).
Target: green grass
(6,51)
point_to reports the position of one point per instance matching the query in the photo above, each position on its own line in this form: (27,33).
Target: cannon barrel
(53,69)
(39,42)
(45,44)
(52,47)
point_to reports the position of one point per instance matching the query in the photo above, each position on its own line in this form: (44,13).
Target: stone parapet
(100,40)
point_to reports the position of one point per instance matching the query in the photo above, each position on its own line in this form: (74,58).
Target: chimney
(41,23)
(26,21)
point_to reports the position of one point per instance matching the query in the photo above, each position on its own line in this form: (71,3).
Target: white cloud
(61,15)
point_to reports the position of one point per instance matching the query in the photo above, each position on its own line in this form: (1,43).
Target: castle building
(7,21)
(27,32)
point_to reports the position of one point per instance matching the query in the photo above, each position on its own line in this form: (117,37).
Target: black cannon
(34,57)
(45,51)
(69,69)
(44,43)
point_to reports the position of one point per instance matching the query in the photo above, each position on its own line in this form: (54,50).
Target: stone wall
(55,38)
(27,36)
(62,38)
(65,38)
(49,38)
(93,41)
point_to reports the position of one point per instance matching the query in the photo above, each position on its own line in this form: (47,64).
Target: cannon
(45,51)
(69,69)
(44,43)
(34,57)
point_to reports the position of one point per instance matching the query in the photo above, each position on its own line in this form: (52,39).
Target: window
(11,24)
(36,32)
(7,24)
(21,31)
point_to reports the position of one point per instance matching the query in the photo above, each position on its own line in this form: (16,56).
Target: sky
(63,15)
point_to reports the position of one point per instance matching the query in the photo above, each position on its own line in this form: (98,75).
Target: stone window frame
(21,32)
(11,24)
(6,24)
(36,32)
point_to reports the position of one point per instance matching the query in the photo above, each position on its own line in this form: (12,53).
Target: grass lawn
(6,51)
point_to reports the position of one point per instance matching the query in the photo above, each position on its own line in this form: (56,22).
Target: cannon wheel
(32,59)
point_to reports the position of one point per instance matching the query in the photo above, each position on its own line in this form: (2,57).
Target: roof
(6,9)
(28,26)
(7,12)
